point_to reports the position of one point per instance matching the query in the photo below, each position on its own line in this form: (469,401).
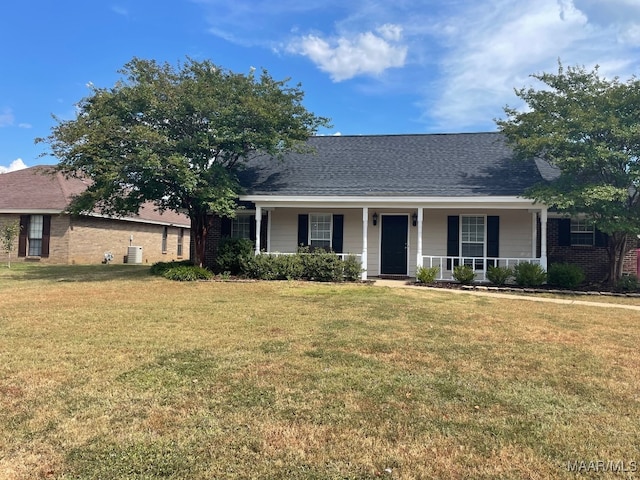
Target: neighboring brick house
(399,202)
(37,198)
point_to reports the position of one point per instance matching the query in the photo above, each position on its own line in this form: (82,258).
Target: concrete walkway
(512,296)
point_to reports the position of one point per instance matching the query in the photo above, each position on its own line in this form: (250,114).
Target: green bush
(529,274)
(322,266)
(232,254)
(187,273)
(464,274)
(628,283)
(352,268)
(161,267)
(565,275)
(318,266)
(499,275)
(427,274)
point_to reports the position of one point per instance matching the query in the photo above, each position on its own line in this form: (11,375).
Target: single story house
(37,198)
(399,202)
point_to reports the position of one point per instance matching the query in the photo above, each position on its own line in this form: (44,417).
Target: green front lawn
(106,372)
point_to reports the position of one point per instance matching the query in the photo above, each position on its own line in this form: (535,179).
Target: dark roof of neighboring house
(462,164)
(40,188)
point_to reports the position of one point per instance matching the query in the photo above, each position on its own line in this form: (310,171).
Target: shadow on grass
(73,273)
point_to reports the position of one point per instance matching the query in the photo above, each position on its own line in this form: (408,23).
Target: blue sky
(373,67)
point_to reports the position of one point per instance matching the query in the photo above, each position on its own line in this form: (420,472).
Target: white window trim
(584,223)
(249,218)
(330,215)
(484,233)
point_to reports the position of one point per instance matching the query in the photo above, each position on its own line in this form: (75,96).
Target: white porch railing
(342,256)
(479,264)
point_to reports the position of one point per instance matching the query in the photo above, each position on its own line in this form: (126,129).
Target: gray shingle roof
(464,164)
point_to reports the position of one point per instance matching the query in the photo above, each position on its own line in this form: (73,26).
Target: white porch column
(258,225)
(543,238)
(419,244)
(534,234)
(365,234)
(269,229)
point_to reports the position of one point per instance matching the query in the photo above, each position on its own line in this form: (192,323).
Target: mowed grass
(106,372)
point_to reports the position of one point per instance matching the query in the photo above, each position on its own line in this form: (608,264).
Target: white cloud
(6,117)
(25,125)
(348,56)
(498,45)
(17,164)
(118,10)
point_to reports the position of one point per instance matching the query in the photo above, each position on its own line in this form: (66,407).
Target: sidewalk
(531,298)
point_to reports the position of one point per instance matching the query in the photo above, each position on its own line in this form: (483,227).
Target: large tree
(176,136)
(588,127)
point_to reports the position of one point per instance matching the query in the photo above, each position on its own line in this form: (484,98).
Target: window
(165,234)
(472,239)
(179,251)
(320,230)
(35,235)
(582,232)
(241,226)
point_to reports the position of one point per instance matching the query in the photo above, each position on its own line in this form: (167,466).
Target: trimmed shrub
(318,266)
(628,283)
(160,267)
(322,266)
(187,273)
(352,268)
(565,275)
(233,253)
(499,275)
(529,274)
(464,274)
(427,274)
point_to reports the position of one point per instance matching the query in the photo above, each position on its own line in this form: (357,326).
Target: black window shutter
(303,230)
(46,235)
(252,228)
(22,237)
(338,233)
(601,238)
(564,232)
(493,236)
(453,238)
(225,227)
(263,232)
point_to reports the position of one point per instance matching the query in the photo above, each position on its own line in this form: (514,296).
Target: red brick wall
(593,260)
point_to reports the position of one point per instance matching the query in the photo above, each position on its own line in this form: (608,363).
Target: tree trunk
(617,250)
(200,223)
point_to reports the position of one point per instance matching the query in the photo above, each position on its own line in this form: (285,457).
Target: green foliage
(176,136)
(322,266)
(529,274)
(274,267)
(160,267)
(352,268)
(464,274)
(628,283)
(317,266)
(499,275)
(233,254)
(587,127)
(187,273)
(427,274)
(565,275)
(8,236)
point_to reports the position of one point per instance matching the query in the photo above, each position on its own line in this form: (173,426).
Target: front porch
(397,239)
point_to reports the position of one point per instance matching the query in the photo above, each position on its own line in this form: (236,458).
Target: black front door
(393,248)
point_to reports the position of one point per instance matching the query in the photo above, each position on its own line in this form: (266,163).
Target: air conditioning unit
(134,255)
